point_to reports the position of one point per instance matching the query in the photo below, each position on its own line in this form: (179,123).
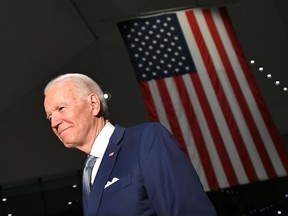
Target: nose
(55,120)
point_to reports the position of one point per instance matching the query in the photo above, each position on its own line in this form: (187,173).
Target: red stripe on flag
(259,99)
(260,102)
(197,133)
(220,95)
(148,98)
(229,116)
(218,140)
(171,113)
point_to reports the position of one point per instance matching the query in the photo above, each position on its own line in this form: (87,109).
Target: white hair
(85,84)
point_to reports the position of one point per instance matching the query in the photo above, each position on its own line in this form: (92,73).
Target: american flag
(196,81)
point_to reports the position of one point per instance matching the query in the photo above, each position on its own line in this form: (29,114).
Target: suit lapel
(104,171)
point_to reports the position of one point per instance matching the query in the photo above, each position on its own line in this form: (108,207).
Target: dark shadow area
(61,196)
(266,198)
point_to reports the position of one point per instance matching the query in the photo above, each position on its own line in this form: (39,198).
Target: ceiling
(41,39)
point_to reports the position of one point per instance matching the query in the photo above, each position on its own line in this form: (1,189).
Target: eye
(49,118)
(61,108)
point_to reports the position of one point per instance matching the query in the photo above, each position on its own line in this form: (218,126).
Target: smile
(62,130)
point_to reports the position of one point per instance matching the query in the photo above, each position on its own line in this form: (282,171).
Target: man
(139,170)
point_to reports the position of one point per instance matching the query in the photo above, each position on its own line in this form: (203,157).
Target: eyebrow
(56,108)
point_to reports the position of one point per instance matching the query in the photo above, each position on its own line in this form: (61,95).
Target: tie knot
(90,161)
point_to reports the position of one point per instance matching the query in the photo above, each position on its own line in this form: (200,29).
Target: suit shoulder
(147,125)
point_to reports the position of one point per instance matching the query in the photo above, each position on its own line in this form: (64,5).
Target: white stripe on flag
(242,125)
(233,103)
(212,98)
(209,143)
(158,104)
(278,166)
(184,125)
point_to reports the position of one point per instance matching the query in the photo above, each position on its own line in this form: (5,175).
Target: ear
(94,103)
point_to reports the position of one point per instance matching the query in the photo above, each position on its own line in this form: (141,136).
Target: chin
(68,145)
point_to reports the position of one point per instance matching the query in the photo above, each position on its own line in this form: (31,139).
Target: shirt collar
(102,140)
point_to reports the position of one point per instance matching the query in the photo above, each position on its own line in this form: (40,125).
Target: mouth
(62,130)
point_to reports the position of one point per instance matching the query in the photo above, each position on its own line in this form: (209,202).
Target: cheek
(84,124)
(55,132)
(84,116)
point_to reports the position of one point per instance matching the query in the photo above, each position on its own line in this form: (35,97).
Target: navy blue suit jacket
(155,177)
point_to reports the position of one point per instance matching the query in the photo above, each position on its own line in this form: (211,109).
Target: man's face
(71,116)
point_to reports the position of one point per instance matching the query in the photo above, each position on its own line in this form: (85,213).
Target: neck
(100,124)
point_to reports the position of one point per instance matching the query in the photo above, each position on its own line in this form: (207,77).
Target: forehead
(60,93)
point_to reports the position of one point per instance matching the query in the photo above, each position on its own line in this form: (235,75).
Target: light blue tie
(86,181)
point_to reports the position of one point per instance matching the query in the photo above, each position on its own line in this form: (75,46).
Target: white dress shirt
(99,147)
